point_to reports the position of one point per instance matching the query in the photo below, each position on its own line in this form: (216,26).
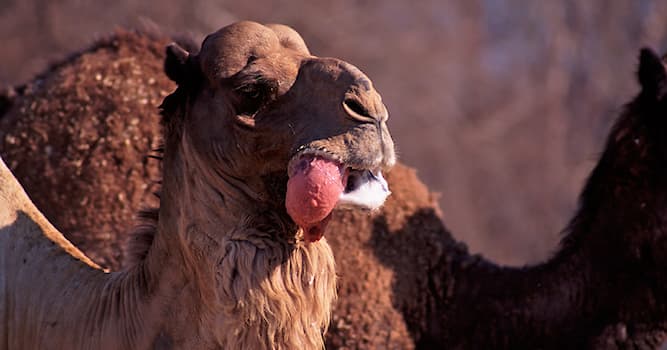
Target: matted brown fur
(92,117)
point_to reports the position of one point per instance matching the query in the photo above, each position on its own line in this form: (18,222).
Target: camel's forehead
(228,50)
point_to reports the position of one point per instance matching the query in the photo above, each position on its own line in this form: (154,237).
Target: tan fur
(271,291)
(257,288)
(260,309)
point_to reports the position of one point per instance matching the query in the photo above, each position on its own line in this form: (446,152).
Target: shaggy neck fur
(256,285)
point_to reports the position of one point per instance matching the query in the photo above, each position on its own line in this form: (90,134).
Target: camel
(604,288)
(261,141)
(399,267)
(610,268)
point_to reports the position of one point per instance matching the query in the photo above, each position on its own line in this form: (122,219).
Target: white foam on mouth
(367,190)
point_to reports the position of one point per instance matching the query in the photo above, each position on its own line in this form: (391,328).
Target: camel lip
(312,152)
(365,188)
(306,151)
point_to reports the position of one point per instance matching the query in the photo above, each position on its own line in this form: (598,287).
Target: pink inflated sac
(313,189)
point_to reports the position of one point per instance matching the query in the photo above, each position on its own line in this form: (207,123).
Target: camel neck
(579,291)
(227,256)
(200,196)
(193,220)
(519,306)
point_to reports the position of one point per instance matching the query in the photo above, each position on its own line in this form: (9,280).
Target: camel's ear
(176,64)
(651,74)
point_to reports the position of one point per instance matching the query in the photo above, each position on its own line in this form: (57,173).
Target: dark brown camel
(610,267)
(403,280)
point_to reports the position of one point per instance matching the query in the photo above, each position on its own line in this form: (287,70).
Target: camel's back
(32,253)
(12,197)
(19,234)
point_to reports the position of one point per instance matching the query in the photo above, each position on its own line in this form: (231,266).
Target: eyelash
(253,96)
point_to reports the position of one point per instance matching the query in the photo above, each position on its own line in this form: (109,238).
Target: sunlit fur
(271,291)
(288,307)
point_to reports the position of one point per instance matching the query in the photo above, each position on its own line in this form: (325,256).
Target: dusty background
(501,105)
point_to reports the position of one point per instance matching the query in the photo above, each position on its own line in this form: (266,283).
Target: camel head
(293,132)
(631,178)
(637,146)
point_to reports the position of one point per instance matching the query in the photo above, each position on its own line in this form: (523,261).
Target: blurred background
(502,106)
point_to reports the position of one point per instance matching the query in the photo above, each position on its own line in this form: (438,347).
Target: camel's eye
(253,93)
(251,99)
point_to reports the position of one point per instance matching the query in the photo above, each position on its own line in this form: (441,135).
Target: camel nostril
(355,106)
(357,111)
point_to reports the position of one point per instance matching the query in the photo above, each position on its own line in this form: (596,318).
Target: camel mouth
(319,182)
(364,188)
